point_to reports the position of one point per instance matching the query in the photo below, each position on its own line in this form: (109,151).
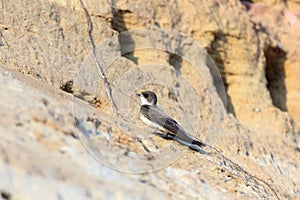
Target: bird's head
(148,98)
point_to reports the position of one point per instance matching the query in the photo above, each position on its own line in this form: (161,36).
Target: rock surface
(61,140)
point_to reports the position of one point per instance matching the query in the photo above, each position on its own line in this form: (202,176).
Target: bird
(154,117)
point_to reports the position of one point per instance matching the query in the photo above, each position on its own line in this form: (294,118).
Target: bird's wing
(154,114)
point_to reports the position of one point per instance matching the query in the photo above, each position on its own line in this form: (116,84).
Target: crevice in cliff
(93,46)
(77,92)
(275,75)
(67,86)
(214,50)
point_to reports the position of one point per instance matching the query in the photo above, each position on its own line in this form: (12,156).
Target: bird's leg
(170,136)
(160,133)
(165,135)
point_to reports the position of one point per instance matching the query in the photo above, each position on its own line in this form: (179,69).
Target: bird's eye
(146,95)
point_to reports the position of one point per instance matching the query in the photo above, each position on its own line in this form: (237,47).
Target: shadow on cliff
(118,23)
(218,60)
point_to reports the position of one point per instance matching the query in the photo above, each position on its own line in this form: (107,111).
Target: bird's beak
(138,95)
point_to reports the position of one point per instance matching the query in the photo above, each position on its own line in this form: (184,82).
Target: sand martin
(154,117)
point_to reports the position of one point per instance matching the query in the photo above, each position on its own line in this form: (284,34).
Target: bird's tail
(184,136)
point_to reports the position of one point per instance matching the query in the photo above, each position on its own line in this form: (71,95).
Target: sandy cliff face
(54,107)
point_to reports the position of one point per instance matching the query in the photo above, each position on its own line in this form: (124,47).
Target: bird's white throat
(145,101)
